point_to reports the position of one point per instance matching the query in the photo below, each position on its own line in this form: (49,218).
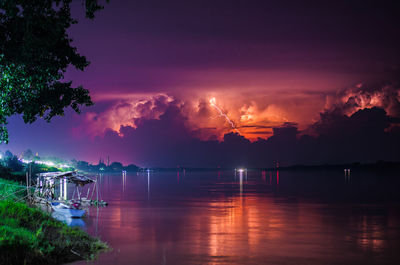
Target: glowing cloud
(213,103)
(251,116)
(126,113)
(350,100)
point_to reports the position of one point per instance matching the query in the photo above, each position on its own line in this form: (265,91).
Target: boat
(52,187)
(68,210)
(68,220)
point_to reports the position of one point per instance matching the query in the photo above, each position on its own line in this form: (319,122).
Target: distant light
(241,170)
(49,163)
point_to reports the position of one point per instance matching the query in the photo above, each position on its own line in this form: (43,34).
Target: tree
(117,166)
(132,168)
(8,154)
(82,165)
(27,154)
(14,164)
(35,51)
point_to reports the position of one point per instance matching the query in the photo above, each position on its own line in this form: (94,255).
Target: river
(255,217)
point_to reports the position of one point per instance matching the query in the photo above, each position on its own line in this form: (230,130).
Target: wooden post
(97,190)
(65,189)
(27,186)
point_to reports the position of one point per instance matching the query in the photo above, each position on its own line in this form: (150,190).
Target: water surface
(263,218)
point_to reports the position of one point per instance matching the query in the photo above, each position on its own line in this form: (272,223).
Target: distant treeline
(379,165)
(12,168)
(12,165)
(102,167)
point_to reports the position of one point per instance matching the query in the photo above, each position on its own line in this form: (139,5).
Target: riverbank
(30,236)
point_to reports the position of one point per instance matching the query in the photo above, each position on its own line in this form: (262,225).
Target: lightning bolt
(213,103)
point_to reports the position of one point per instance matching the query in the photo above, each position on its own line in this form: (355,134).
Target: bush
(14,164)
(6,173)
(30,236)
(11,190)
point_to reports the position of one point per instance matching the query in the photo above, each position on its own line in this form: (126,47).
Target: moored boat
(67,210)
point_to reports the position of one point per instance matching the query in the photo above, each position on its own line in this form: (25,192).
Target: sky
(229,83)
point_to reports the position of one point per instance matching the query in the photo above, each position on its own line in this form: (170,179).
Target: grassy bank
(11,190)
(31,236)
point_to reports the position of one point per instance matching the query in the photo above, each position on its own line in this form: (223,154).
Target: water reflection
(241,181)
(123,181)
(277,178)
(148,184)
(208,219)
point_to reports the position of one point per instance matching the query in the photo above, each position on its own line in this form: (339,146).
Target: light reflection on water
(264,218)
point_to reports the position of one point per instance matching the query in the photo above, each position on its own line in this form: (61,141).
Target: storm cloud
(366,135)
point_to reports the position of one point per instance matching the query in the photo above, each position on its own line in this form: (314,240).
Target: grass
(31,236)
(11,190)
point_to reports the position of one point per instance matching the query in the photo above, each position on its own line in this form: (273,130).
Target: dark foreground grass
(11,190)
(31,236)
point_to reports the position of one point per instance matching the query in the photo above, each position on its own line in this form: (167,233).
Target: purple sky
(155,65)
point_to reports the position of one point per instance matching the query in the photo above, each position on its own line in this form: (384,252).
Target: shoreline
(28,235)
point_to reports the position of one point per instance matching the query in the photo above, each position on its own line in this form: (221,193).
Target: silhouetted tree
(14,164)
(28,154)
(116,166)
(82,165)
(35,51)
(132,168)
(8,154)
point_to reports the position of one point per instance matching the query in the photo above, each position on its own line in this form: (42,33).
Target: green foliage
(35,51)
(13,163)
(30,236)
(8,154)
(11,190)
(5,173)
(17,242)
(40,168)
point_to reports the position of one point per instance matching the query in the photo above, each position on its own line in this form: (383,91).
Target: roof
(71,176)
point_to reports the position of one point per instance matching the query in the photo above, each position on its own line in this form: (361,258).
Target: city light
(46,163)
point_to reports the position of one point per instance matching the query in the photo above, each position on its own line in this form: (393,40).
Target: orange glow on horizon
(214,114)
